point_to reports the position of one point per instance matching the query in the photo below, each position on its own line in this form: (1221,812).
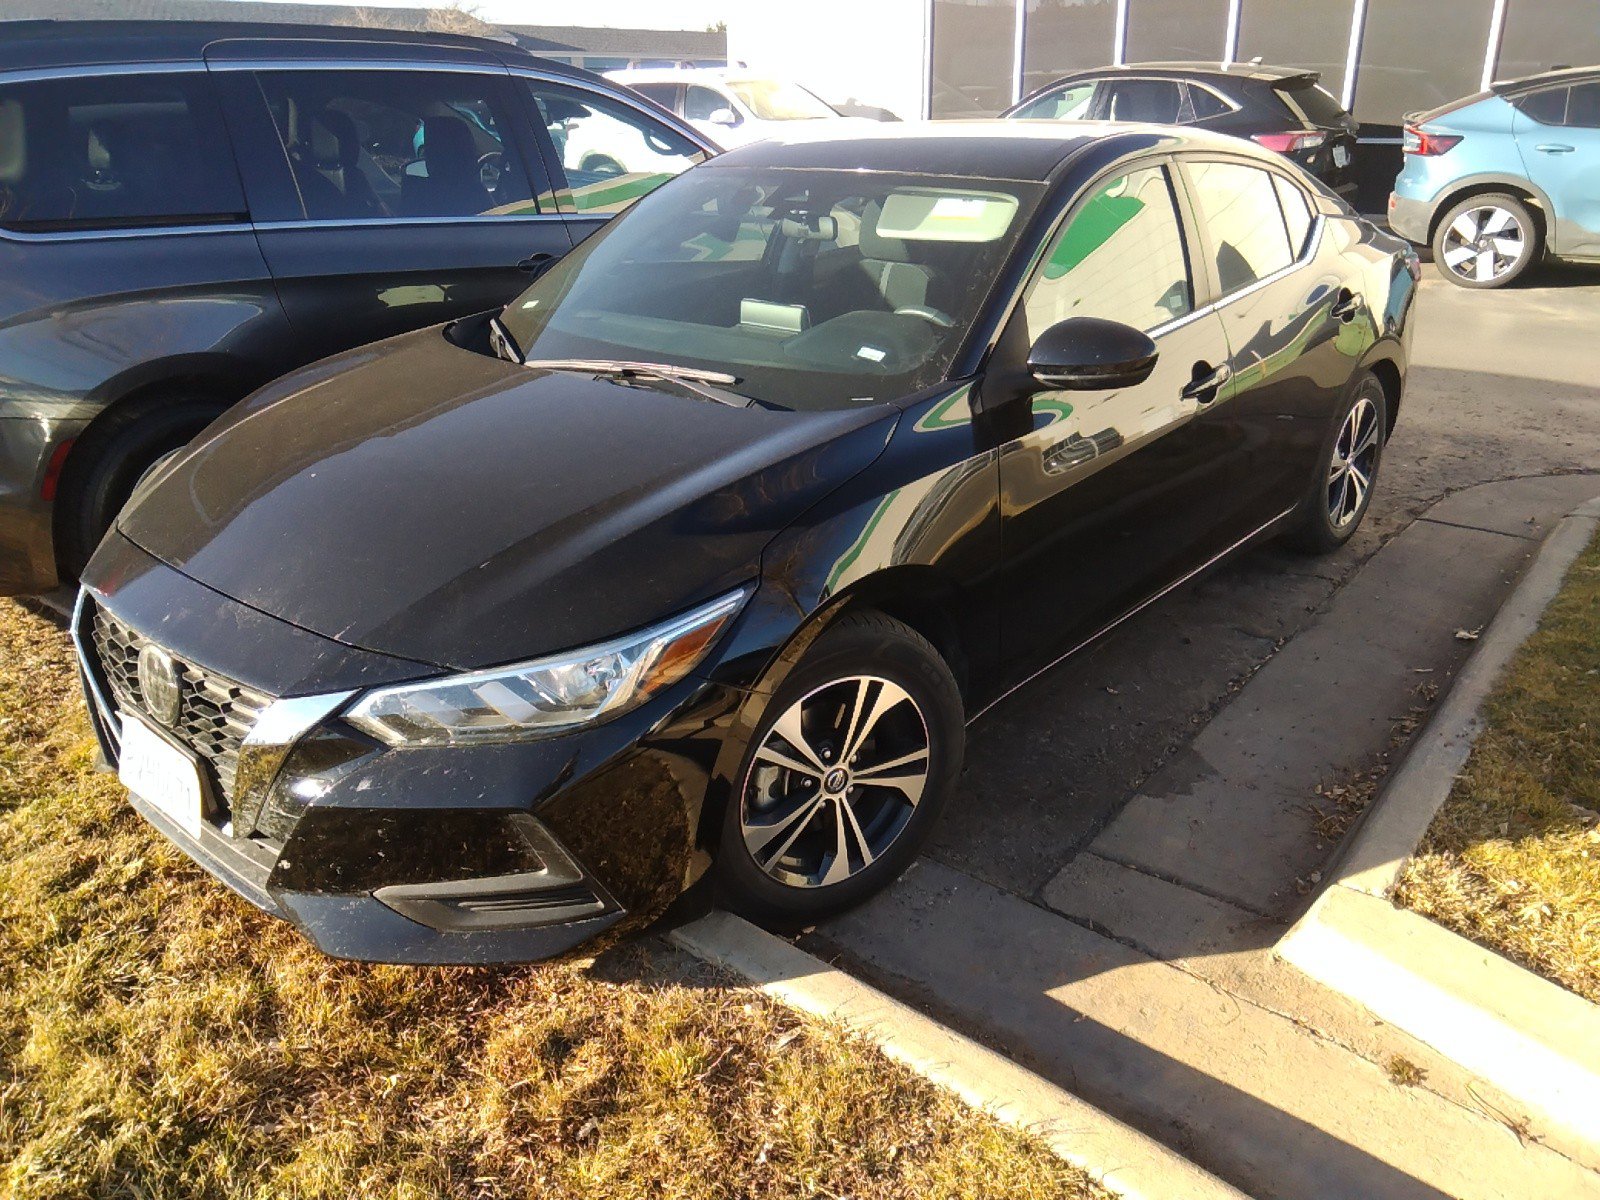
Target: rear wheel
(1487,241)
(1341,491)
(110,460)
(849,767)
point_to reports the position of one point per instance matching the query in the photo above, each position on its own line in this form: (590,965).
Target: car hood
(421,500)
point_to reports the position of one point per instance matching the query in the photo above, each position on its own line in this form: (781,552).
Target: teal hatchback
(1497,181)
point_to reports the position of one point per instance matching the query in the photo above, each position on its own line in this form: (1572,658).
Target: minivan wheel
(1341,490)
(109,461)
(853,759)
(1487,241)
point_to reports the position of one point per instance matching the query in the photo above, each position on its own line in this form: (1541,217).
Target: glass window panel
(1543,34)
(1548,107)
(1070,103)
(1121,258)
(972,47)
(1239,207)
(1168,30)
(1292,33)
(699,103)
(1417,56)
(1296,213)
(118,150)
(1062,36)
(1204,104)
(1583,107)
(1156,100)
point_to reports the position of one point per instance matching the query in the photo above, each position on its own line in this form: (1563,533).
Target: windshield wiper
(700,382)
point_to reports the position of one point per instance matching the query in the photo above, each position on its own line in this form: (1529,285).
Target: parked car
(188,210)
(1496,181)
(483,641)
(733,107)
(1281,108)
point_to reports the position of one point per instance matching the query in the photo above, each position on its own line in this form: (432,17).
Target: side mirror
(724,116)
(1090,354)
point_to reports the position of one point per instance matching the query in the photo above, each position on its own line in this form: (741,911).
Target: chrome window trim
(390,222)
(132,231)
(355,64)
(165,67)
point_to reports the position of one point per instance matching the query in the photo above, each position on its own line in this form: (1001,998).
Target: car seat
(452,187)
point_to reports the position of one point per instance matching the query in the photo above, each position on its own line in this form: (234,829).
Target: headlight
(548,695)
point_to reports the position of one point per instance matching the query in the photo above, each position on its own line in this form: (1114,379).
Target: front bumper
(503,853)
(1410,218)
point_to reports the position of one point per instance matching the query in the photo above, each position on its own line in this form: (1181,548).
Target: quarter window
(1238,205)
(1205,104)
(1296,213)
(1121,257)
(612,153)
(377,144)
(1548,107)
(114,151)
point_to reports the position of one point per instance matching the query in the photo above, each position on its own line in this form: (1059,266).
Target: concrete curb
(1118,1157)
(1531,1038)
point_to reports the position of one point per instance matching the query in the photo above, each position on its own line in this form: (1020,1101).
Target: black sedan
(480,642)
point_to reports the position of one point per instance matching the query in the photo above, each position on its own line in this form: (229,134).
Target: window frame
(142,227)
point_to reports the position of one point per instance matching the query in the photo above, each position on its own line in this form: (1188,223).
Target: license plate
(1341,156)
(161,775)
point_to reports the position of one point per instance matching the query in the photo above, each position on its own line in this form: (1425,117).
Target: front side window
(611,152)
(114,151)
(817,289)
(1071,103)
(1121,257)
(1238,205)
(776,100)
(701,103)
(1157,101)
(381,144)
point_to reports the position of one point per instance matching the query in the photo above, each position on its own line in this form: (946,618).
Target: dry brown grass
(1513,859)
(159,1037)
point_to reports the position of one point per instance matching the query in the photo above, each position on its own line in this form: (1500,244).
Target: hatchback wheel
(849,767)
(1487,241)
(1341,491)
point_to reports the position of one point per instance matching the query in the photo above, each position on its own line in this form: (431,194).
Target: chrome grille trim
(216,714)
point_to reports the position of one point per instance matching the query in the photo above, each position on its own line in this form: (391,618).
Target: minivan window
(611,152)
(375,144)
(1238,205)
(115,151)
(1121,257)
(818,289)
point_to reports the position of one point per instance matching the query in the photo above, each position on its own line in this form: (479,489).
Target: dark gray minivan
(188,210)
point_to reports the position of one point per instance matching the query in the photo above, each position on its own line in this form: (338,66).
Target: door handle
(535,262)
(1207,379)
(1347,305)
(1555,148)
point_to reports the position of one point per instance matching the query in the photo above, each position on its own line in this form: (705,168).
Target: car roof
(1030,151)
(26,45)
(1528,83)
(1245,70)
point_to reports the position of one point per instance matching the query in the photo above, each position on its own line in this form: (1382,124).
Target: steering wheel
(931,315)
(490,167)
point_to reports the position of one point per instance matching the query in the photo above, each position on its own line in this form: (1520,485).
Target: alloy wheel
(835,781)
(1484,243)
(1355,458)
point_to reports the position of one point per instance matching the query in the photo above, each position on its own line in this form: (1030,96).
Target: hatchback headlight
(548,695)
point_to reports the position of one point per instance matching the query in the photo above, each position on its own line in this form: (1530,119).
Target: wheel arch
(1386,366)
(1538,202)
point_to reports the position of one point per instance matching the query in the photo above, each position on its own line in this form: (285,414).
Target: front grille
(215,714)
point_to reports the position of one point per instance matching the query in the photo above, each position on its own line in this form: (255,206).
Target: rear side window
(380,144)
(1239,207)
(1312,104)
(115,151)
(1548,107)
(1155,100)
(1583,106)
(1121,257)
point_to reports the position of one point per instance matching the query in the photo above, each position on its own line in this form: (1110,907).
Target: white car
(729,106)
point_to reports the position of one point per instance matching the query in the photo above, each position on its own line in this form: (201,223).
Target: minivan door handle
(1206,382)
(1555,148)
(1347,305)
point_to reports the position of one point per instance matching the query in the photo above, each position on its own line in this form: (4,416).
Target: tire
(111,458)
(770,801)
(1487,241)
(1327,518)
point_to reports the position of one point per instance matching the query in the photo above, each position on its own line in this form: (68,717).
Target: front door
(1106,497)
(388,199)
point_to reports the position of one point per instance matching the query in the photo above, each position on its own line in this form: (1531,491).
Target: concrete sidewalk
(1140,975)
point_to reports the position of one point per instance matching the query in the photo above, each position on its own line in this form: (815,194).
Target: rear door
(1296,324)
(1157,101)
(389,198)
(1560,146)
(1107,497)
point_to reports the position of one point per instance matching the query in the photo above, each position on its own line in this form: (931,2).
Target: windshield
(817,289)
(775,100)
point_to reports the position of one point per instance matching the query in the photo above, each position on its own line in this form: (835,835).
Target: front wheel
(1487,241)
(1341,491)
(851,763)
